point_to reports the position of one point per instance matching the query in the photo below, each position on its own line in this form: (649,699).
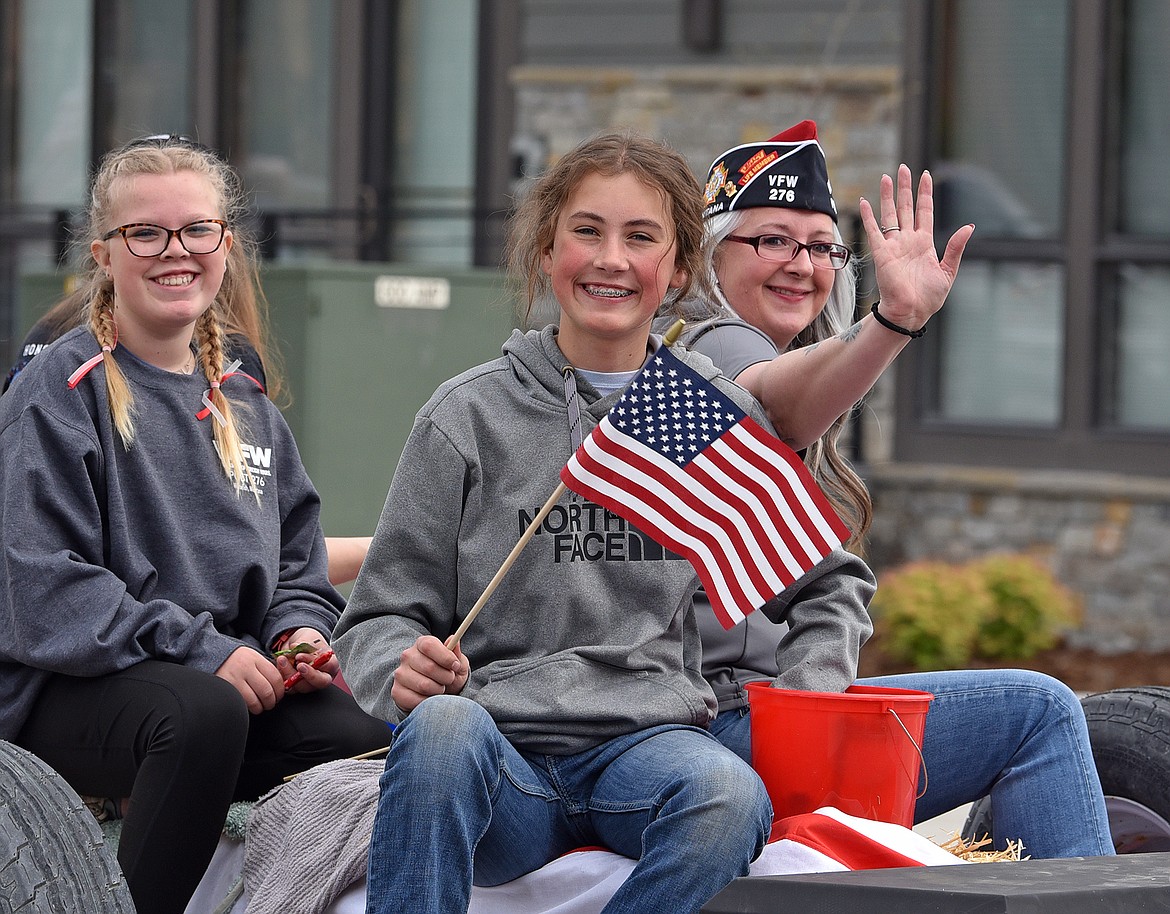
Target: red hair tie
(209,408)
(87,366)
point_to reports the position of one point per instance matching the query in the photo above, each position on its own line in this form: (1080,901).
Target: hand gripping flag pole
(688,467)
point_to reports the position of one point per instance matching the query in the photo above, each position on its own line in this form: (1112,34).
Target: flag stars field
(732,498)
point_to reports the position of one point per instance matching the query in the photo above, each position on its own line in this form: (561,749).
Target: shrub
(940,615)
(929,613)
(1030,608)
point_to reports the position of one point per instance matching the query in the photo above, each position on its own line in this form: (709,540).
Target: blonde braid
(118,393)
(209,339)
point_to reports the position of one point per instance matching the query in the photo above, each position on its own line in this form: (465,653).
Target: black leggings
(182,746)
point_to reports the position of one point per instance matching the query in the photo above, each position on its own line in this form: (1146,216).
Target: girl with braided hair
(161,538)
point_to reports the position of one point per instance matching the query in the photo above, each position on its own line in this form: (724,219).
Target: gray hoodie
(591,633)
(114,555)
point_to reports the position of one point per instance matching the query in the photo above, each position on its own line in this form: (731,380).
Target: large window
(1139,395)
(1002,167)
(1000,345)
(352,154)
(285,102)
(1145,120)
(435,135)
(1003,90)
(52,129)
(145,75)
(1046,126)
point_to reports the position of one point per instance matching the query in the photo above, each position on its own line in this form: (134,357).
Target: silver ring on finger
(886,229)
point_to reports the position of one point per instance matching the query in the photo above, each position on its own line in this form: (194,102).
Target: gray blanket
(307,840)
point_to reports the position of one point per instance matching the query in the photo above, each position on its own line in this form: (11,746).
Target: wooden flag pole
(373,753)
(453,641)
(667,340)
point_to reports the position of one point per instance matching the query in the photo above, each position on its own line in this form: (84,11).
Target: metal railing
(40,239)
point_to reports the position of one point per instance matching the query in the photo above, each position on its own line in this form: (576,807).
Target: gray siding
(650,33)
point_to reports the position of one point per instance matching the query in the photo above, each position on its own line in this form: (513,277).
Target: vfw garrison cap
(788,170)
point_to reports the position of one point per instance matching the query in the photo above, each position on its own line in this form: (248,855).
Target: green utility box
(363,346)
(36,294)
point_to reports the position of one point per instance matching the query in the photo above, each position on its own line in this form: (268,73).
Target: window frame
(1087,250)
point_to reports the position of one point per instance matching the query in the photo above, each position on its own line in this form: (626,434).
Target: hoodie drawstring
(573,402)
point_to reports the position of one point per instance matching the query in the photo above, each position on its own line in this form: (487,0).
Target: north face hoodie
(591,634)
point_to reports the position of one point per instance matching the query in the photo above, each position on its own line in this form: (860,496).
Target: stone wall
(702,110)
(1107,537)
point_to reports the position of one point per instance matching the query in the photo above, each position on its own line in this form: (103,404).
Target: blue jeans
(1018,735)
(459,804)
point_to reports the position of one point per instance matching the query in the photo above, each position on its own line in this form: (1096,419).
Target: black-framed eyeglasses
(203,236)
(781,249)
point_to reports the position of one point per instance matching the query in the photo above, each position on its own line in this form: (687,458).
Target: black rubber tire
(979,821)
(53,859)
(1130,733)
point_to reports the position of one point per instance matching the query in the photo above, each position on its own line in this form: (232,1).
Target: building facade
(1035,414)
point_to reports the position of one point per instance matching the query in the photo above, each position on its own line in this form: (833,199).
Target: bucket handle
(918,749)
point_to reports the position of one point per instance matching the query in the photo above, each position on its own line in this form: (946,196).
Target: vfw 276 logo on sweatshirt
(258,459)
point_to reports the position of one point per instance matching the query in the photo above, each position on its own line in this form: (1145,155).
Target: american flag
(691,469)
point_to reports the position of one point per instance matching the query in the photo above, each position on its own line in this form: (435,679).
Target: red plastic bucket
(859,750)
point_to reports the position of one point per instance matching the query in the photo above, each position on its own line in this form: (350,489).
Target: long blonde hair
(238,307)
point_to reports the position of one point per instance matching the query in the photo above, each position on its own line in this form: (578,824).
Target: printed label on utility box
(412,292)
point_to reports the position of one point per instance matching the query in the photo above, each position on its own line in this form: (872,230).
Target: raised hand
(912,282)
